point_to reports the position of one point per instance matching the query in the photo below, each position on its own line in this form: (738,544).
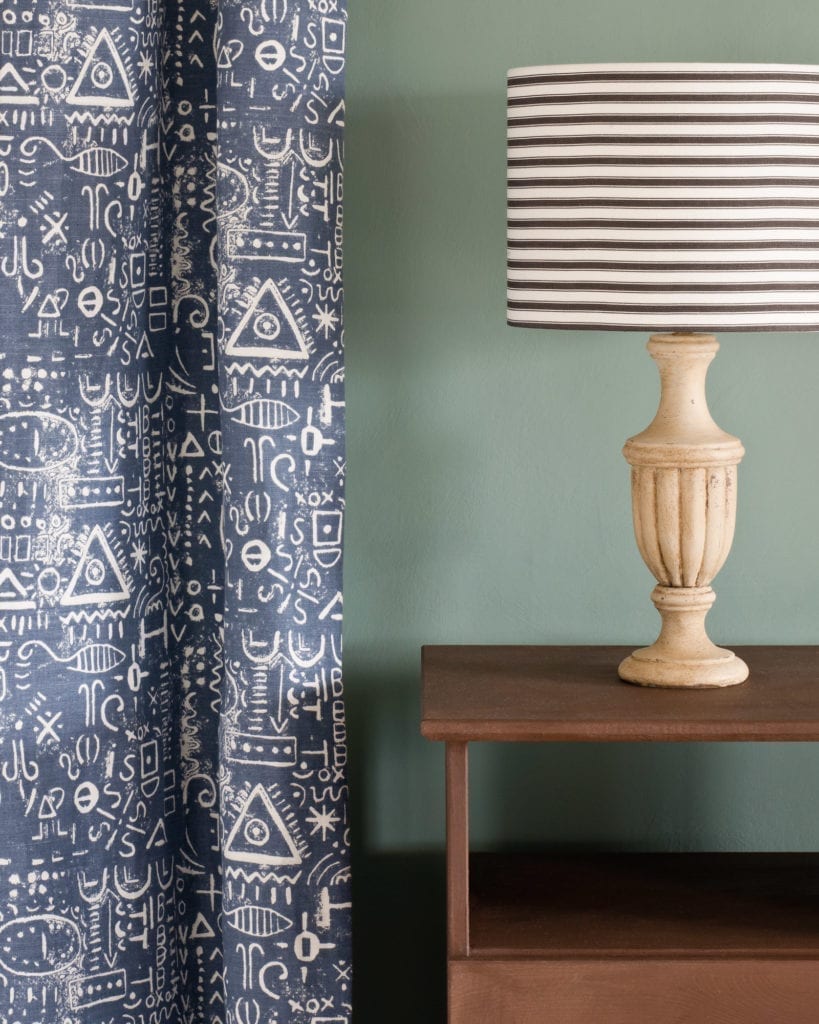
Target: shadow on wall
(399,941)
(399,911)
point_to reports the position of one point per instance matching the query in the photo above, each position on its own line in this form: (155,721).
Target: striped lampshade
(664,197)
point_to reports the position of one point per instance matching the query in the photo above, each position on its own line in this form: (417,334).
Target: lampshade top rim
(638,66)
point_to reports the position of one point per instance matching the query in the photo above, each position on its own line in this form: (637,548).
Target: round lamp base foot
(652,667)
(683,656)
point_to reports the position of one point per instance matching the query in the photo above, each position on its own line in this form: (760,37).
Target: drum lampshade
(664,197)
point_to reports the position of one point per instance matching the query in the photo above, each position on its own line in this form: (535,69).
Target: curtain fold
(173,788)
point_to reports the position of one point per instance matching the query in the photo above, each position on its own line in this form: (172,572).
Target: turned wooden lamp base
(683,655)
(683,485)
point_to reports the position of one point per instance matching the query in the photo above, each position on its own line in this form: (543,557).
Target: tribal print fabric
(175,843)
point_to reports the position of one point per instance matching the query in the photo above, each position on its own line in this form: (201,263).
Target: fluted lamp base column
(683,482)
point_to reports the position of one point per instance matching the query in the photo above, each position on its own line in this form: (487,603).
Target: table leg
(457,849)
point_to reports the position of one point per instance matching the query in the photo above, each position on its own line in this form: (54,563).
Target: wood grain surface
(520,693)
(634,992)
(721,905)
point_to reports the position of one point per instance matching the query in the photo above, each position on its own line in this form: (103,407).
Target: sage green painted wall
(487,498)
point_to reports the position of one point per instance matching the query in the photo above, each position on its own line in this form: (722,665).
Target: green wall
(487,498)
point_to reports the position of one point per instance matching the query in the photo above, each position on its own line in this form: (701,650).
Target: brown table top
(571,693)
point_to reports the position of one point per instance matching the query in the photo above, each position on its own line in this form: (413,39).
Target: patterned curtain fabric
(173,796)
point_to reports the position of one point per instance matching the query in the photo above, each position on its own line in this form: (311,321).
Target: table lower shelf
(648,905)
(627,939)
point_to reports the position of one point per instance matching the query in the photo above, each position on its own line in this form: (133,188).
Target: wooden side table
(716,938)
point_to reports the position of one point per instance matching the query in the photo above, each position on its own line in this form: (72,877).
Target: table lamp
(677,199)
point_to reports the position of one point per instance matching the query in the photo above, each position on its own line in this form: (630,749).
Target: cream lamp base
(683,655)
(683,485)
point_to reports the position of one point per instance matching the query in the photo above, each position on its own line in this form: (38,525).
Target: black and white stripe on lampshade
(664,197)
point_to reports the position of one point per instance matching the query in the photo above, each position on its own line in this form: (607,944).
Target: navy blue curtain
(173,794)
